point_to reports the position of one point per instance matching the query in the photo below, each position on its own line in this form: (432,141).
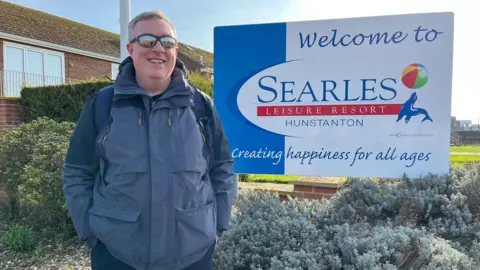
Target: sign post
(124,20)
(361,97)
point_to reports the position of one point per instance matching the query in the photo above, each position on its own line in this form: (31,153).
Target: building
(464,124)
(453,122)
(37,48)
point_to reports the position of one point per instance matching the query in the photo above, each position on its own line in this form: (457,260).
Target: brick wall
(309,191)
(313,188)
(317,188)
(9,112)
(79,67)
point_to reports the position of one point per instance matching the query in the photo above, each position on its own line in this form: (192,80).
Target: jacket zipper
(105,137)
(202,130)
(169,118)
(106,134)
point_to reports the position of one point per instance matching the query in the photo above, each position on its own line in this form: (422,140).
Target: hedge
(58,102)
(65,102)
(31,159)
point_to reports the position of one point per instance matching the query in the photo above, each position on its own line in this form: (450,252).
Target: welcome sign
(366,97)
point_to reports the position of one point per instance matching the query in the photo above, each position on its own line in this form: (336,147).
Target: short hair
(148,15)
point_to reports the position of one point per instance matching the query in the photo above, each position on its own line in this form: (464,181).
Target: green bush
(31,159)
(20,239)
(58,102)
(426,223)
(202,82)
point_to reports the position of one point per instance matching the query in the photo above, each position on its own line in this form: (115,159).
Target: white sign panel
(366,97)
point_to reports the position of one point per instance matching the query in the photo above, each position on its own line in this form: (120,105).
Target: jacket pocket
(191,188)
(140,166)
(119,229)
(196,229)
(126,183)
(124,215)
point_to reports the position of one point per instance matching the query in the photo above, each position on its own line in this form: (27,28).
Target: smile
(156,61)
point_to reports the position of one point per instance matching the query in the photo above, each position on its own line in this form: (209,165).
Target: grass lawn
(461,160)
(469,148)
(283,179)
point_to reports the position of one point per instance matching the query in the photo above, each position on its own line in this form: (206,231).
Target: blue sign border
(239,53)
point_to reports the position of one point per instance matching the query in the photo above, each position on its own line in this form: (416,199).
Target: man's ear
(130,49)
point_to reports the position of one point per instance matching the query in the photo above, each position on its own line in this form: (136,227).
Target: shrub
(62,102)
(243,177)
(31,158)
(20,239)
(445,205)
(263,227)
(202,82)
(425,223)
(362,246)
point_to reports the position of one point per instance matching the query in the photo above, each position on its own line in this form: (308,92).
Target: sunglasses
(149,41)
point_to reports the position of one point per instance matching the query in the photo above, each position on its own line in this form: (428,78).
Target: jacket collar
(126,82)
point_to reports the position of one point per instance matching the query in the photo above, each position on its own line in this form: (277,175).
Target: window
(25,65)
(115,67)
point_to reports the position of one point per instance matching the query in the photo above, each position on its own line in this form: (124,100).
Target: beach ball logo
(415,76)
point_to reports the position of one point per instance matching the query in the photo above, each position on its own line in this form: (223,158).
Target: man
(146,190)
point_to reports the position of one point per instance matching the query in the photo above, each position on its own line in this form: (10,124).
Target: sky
(195,20)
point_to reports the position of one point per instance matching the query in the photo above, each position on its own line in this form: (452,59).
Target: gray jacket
(143,185)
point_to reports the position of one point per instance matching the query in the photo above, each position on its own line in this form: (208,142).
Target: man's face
(156,62)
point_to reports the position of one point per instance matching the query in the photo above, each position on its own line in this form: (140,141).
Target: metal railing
(12,82)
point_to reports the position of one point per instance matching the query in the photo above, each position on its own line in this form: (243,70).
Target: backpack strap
(198,108)
(103,104)
(203,112)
